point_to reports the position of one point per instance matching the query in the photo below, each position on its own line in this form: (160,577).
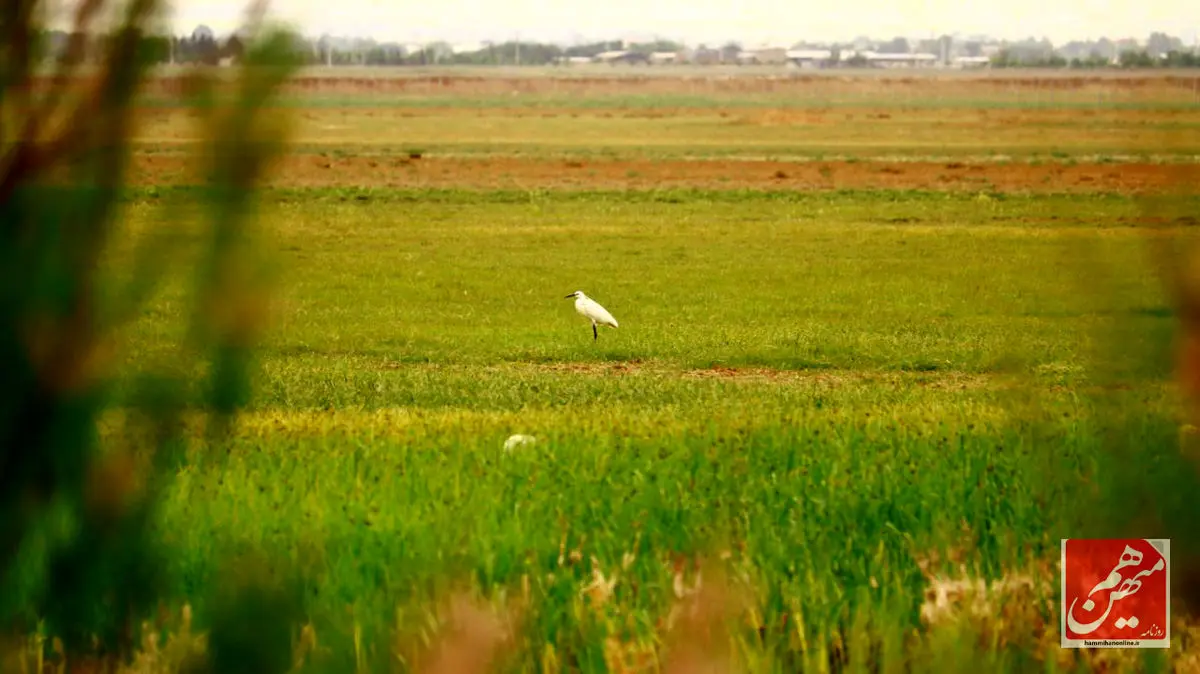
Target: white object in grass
(517,440)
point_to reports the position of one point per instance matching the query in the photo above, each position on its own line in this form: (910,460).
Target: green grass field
(822,393)
(838,400)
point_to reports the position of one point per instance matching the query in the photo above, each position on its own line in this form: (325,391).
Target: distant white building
(664,57)
(573,60)
(918,60)
(620,56)
(971,62)
(809,58)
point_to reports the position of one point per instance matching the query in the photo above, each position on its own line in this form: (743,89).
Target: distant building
(763,56)
(621,56)
(705,56)
(664,57)
(809,58)
(573,60)
(881,60)
(971,62)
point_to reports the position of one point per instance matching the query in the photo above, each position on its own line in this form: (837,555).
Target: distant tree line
(503,53)
(1126,59)
(199,48)
(203,47)
(1159,51)
(1172,59)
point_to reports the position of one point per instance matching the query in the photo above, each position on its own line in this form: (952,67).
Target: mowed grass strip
(784,129)
(848,281)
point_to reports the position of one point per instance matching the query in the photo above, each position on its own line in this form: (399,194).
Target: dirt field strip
(520,173)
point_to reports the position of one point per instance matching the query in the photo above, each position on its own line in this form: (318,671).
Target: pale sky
(712,21)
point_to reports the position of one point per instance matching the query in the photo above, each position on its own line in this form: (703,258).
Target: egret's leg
(595,334)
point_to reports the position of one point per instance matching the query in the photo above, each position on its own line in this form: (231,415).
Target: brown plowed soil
(1101,130)
(526,173)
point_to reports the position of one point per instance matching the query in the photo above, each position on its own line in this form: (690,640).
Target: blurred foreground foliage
(1155,490)
(75,520)
(1150,480)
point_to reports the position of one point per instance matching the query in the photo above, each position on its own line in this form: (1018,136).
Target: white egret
(589,309)
(518,440)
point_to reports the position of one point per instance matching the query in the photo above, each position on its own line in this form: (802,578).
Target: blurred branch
(1149,478)
(29,154)
(56,341)
(16,33)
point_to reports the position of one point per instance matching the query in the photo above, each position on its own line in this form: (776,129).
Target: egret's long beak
(569,296)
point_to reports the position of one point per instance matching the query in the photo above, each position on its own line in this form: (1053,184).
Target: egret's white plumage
(518,440)
(591,310)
